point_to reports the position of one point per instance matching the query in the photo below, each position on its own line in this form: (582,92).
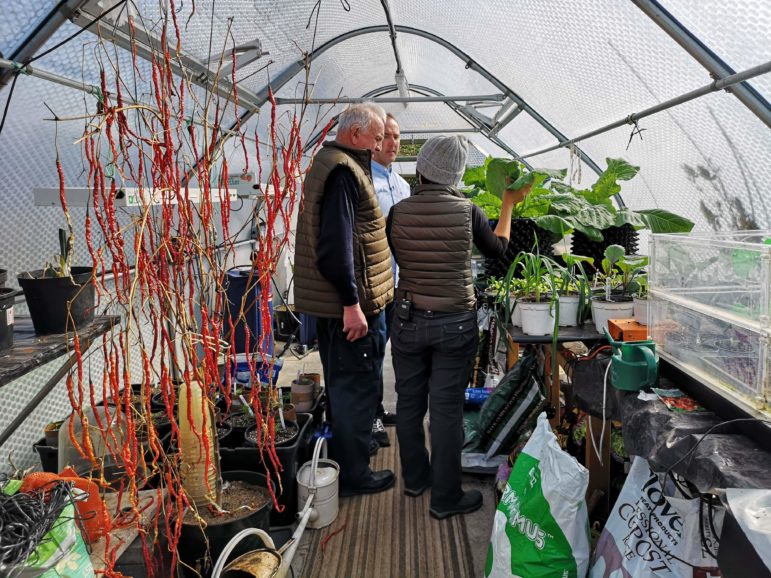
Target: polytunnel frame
(475,124)
(651,8)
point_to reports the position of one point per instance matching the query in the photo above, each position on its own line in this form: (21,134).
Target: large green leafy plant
(561,209)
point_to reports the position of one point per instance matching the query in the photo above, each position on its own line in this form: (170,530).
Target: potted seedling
(641,300)
(539,304)
(619,283)
(573,288)
(60,297)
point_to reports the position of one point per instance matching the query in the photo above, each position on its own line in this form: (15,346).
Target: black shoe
(388,418)
(373,447)
(380,481)
(415,492)
(470,502)
(379,434)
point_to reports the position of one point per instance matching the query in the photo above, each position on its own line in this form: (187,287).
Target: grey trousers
(433,355)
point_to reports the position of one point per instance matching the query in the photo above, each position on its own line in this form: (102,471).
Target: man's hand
(354,323)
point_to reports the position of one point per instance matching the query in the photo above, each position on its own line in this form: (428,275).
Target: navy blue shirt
(334,250)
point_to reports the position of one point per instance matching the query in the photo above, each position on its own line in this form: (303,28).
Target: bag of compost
(650,535)
(541,527)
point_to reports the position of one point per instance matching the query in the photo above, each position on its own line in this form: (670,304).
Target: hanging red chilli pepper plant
(162,268)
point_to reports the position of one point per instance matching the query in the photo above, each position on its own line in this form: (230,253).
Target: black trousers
(433,356)
(389,314)
(352,373)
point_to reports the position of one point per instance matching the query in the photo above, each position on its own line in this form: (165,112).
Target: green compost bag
(541,526)
(510,410)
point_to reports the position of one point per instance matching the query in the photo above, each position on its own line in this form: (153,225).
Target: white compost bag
(646,530)
(541,528)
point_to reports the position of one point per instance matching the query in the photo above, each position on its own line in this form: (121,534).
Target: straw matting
(389,535)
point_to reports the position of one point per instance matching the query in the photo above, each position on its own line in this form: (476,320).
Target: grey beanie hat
(442,159)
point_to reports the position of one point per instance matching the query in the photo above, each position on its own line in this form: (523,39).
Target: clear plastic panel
(732,359)
(708,160)
(726,275)
(19,20)
(736,31)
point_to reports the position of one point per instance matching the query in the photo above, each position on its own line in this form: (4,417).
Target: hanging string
(574,170)
(636,131)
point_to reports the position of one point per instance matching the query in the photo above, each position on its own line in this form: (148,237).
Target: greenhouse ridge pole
(392,99)
(717,68)
(475,125)
(688,96)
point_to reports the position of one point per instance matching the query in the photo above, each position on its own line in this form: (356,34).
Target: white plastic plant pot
(568,308)
(516,315)
(604,310)
(641,310)
(537,318)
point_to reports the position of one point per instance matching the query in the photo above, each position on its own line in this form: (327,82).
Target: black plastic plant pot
(7,297)
(224,431)
(192,547)
(290,456)
(56,304)
(283,438)
(3,277)
(239,422)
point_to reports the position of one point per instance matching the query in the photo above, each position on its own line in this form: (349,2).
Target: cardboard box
(627,330)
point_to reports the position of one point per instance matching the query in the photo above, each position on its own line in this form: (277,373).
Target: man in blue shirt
(390,189)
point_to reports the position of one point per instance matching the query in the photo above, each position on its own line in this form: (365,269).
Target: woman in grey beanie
(434,336)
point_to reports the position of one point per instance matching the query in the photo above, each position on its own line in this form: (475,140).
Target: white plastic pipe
(220,565)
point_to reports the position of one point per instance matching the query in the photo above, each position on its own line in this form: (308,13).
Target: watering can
(634,364)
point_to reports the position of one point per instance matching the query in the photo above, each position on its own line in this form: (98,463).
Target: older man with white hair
(343,276)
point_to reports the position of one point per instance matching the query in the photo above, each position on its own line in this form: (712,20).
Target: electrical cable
(8,101)
(589,418)
(76,34)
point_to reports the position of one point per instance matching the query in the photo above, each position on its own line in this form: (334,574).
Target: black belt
(428,314)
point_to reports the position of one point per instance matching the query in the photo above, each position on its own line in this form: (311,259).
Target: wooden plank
(121,537)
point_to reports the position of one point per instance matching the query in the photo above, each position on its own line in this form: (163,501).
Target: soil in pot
(3,277)
(224,431)
(239,423)
(200,548)
(58,304)
(282,437)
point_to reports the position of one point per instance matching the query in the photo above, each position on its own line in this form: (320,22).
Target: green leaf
(596,216)
(626,216)
(600,197)
(622,169)
(475,177)
(489,203)
(555,224)
(553,173)
(497,171)
(613,253)
(592,233)
(567,204)
(606,186)
(523,180)
(661,221)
